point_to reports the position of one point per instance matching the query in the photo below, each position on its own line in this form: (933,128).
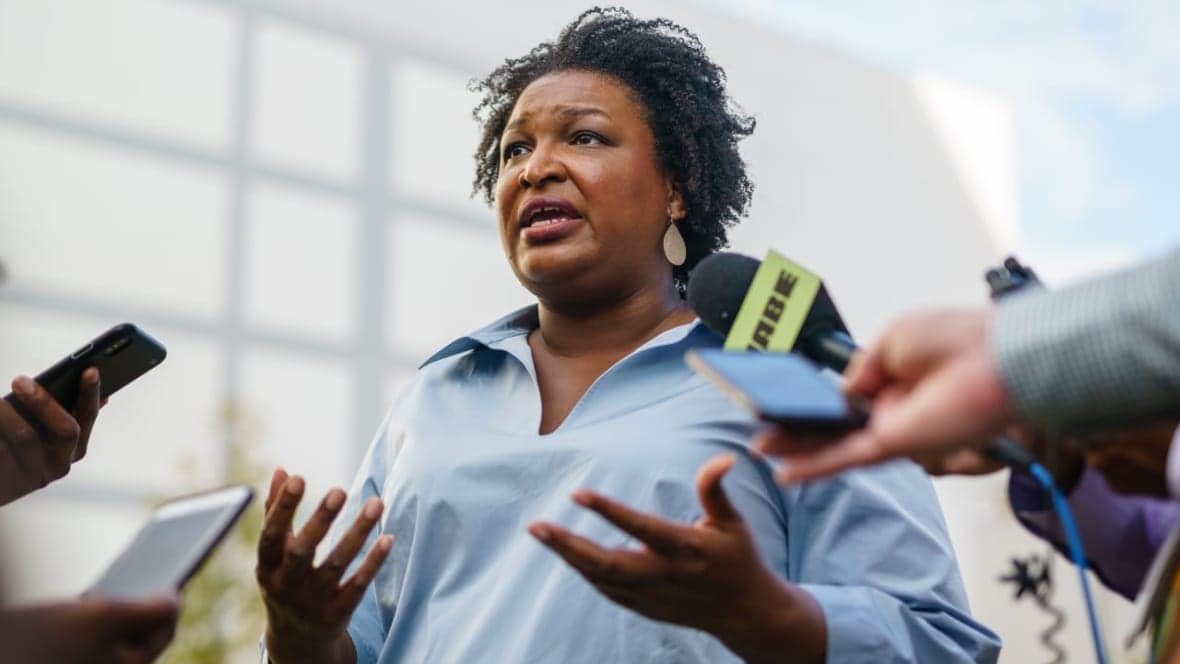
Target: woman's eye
(514,150)
(587,138)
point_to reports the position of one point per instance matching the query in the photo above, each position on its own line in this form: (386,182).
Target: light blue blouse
(462,471)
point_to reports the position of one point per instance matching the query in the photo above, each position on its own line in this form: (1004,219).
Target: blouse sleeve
(872,548)
(366,628)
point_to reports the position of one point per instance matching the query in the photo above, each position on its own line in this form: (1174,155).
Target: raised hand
(308,606)
(39,439)
(708,575)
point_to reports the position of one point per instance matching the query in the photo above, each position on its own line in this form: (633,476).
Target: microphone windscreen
(717,287)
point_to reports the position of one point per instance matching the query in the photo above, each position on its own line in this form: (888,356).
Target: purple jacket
(1120,533)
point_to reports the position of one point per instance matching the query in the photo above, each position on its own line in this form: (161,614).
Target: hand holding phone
(783,388)
(39,439)
(45,423)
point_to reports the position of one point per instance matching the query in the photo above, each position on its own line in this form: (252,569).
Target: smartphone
(122,354)
(168,551)
(784,388)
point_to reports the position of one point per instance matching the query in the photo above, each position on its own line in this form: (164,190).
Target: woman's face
(581,198)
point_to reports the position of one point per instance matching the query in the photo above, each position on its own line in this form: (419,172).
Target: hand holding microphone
(937,398)
(778,306)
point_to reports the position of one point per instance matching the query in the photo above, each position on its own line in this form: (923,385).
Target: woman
(610,157)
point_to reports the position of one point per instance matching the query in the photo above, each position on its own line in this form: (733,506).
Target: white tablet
(168,550)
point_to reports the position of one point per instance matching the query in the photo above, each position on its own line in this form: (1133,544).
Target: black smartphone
(121,354)
(784,388)
(168,551)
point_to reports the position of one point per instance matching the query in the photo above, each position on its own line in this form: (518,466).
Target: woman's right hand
(307,606)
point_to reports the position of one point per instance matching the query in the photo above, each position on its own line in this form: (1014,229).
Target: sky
(1093,88)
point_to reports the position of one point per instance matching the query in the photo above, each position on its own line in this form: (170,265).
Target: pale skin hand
(90,631)
(307,606)
(41,449)
(936,397)
(707,575)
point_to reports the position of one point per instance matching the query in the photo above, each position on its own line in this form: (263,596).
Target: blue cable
(1074,542)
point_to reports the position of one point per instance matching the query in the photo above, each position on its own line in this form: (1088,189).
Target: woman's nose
(544,164)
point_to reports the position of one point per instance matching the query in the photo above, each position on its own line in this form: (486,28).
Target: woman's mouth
(548,218)
(550,229)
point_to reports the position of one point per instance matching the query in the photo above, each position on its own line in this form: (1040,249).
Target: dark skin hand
(708,575)
(90,631)
(35,452)
(1133,461)
(307,606)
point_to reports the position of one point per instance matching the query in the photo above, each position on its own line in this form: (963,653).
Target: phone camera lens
(119,345)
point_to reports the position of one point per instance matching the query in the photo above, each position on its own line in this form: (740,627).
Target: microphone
(778,305)
(774,305)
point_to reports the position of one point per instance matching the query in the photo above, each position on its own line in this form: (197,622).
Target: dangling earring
(674,249)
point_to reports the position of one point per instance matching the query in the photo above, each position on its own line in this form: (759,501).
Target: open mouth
(542,213)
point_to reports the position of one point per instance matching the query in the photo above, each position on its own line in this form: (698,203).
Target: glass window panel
(307,101)
(55,546)
(115,227)
(445,280)
(159,67)
(300,262)
(302,405)
(159,434)
(434,135)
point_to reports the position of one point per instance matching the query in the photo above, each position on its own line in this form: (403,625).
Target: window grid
(367,355)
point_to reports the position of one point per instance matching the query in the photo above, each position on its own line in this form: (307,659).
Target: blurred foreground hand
(935,391)
(89,630)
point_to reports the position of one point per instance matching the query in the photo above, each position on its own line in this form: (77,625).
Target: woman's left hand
(707,575)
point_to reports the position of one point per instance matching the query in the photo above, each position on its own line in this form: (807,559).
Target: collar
(525,320)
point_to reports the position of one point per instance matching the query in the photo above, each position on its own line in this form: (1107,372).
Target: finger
(127,618)
(967,461)
(352,590)
(301,551)
(624,596)
(856,449)
(149,630)
(778,440)
(656,533)
(86,411)
(276,526)
(61,427)
(961,404)
(350,545)
(20,435)
(597,564)
(712,494)
(277,479)
(865,373)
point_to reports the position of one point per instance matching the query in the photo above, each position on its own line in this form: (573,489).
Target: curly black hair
(695,124)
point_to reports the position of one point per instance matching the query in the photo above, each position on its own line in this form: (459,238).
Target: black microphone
(778,306)
(722,282)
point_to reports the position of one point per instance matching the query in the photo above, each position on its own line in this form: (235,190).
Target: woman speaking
(610,156)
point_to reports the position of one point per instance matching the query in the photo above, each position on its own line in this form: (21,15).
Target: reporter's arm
(40,440)
(89,630)
(1119,533)
(1104,351)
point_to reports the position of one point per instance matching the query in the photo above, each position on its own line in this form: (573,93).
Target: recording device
(121,354)
(773,305)
(168,551)
(787,389)
(779,306)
